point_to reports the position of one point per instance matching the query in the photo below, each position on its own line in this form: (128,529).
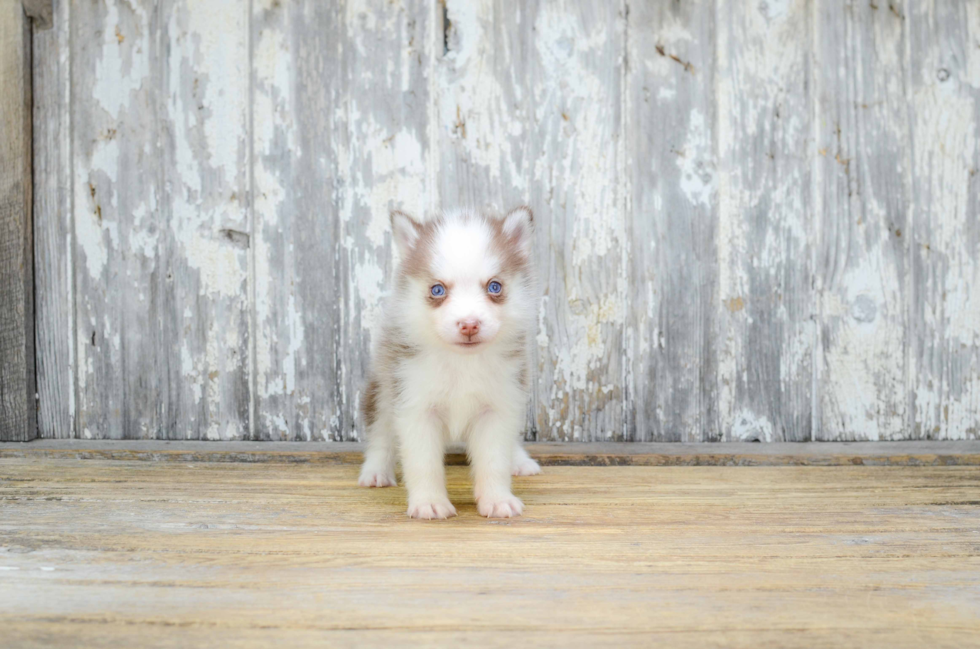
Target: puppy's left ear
(518,226)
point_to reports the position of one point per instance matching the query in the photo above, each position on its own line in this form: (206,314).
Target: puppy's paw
(507,506)
(431,509)
(526,466)
(376,478)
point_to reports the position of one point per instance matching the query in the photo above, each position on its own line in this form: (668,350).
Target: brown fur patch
(395,350)
(519,348)
(418,262)
(512,260)
(369,407)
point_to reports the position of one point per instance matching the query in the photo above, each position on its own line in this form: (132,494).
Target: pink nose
(468,327)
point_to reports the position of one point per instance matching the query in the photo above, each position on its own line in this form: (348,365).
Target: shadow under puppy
(451,362)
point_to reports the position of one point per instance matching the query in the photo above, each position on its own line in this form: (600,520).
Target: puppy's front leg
(491,449)
(422,452)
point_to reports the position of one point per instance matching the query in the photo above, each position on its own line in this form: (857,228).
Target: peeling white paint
(695,162)
(750,427)
(124,66)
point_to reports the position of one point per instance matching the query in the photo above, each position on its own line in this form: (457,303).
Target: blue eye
(494,288)
(438,290)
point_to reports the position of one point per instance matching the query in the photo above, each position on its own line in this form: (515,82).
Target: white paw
(504,507)
(376,478)
(431,509)
(526,467)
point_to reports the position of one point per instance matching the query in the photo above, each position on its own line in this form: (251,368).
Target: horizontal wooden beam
(18,418)
(962,453)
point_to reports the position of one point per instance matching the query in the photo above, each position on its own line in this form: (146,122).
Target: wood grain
(298,123)
(160,188)
(673,219)
(54,269)
(387,58)
(340,137)
(576,177)
(164,554)
(18,419)
(864,193)
(762,332)
(916,453)
(944,279)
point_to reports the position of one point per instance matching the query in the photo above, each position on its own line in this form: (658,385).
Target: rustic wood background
(755,220)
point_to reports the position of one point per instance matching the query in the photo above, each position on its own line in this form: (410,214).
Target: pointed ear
(405,231)
(518,229)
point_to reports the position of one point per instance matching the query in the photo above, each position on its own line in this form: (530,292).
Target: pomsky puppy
(450,364)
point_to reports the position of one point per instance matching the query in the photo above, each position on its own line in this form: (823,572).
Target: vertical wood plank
(341,134)
(576,167)
(207,78)
(385,162)
(114,104)
(863,194)
(674,211)
(53,242)
(481,103)
(296,186)
(159,115)
(18,415)
(944,330)
(761,322)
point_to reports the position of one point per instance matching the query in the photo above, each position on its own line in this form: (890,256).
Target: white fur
(443,391)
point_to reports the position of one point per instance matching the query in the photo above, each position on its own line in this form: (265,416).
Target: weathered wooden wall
(754,220)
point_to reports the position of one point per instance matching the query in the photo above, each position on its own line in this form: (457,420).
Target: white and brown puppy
(451,362)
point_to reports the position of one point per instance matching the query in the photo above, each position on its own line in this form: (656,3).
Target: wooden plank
(673,217)
(18,414)
(747,454)
(160,194)
(576,178)
(257,554)
(298,124)
(760,366)
(54,288)
(863,193)
(944,333)
(341,123)
(481,106)
(386,162)
(123,354)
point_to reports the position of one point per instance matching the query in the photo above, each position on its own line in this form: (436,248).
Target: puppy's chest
(460,385)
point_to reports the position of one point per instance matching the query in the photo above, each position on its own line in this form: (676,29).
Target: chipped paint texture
(753,221)
(862,175)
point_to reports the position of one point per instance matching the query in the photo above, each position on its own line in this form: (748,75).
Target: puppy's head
(465,278)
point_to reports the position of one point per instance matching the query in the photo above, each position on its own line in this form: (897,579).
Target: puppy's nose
(468,327)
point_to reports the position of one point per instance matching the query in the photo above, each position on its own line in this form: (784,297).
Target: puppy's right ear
(405,231)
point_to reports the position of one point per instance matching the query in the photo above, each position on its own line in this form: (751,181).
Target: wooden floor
(168,554)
